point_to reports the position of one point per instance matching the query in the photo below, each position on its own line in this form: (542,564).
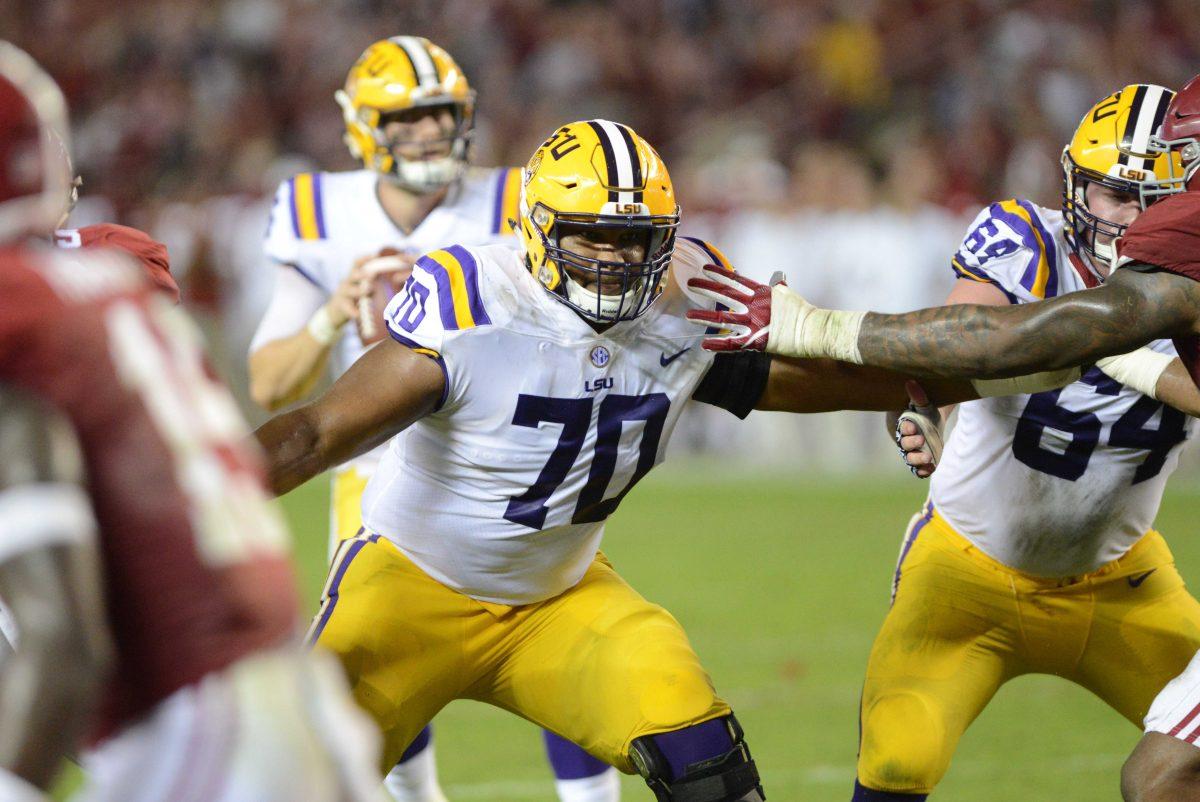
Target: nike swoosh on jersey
(665,360)
(1136,581)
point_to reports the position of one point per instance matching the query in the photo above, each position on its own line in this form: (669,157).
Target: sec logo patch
(600,356)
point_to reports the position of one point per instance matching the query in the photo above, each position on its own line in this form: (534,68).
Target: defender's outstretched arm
(1129,310)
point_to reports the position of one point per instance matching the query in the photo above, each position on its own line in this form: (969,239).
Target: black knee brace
(731,777)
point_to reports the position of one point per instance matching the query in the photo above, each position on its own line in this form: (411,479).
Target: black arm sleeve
(735,382)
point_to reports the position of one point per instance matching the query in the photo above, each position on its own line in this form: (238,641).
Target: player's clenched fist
(772,318)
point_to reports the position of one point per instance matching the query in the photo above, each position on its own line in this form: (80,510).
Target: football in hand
(386,273)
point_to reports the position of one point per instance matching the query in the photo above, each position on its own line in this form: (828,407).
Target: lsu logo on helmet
(391,78)
(1112,147)
(598,178)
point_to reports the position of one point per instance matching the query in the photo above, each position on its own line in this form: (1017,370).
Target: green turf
(781,585)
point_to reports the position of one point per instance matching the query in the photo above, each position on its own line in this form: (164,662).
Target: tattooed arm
(1129,310)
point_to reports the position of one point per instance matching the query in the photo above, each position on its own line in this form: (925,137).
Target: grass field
(781,585)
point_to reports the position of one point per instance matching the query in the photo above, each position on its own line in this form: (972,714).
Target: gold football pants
(597,664)
(963,624)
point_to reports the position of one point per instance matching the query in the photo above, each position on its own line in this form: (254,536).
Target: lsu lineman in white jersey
(446,498)
(322,223)
(1036,551)
(1062,482)
(408,111)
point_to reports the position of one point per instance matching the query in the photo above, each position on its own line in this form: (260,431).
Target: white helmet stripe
(426,70)
(624,158)
(1145,116)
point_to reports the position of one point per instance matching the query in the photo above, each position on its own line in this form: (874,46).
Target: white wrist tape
(322,328)
(1138,370)
(15,789)
(1033,383)
(799,329)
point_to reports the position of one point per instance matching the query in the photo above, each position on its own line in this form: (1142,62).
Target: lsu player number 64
(537,387)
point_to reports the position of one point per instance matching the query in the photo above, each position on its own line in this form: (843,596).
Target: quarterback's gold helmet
(598,178)
(1111,147)
(390,79)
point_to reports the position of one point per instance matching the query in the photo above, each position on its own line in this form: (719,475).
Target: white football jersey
(502,493)
(322,223)
(1061,482)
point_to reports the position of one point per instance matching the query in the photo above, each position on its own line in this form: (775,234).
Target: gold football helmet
(600,177)
(390,79)
(1111,147)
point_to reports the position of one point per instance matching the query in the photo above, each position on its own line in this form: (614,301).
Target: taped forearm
(1139,370)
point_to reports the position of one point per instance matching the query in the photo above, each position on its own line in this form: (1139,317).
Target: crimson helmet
(1180,132)
(35,173)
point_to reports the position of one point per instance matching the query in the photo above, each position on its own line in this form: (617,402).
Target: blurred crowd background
(847,142)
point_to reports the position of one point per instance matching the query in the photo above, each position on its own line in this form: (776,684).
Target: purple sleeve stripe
(317,207)
(292,203)
(1017,224)
(1051,249)
(498,206)
(470,269)
(431,354)
(445,296)
(331,597)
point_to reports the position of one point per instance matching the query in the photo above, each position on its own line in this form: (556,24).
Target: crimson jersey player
(177,651)
(151,253)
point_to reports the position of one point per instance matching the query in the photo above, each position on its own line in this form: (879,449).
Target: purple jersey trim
(960,267)
(470,270)
(445,298)
(320,214)
(441,363)
(295,212)
(1051,249)
(307,276)
(908,544)
(1027,239)
(498,206)
(335,586)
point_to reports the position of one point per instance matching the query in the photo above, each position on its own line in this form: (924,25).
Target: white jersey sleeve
(297,222)
(294,300)
(438,305)
(1010,246)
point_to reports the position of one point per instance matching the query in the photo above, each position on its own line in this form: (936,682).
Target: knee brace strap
(727,774)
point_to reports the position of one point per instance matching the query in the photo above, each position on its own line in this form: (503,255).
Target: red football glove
(743,309)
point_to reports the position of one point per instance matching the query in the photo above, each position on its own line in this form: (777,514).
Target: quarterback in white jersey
(537,387)
(340,240)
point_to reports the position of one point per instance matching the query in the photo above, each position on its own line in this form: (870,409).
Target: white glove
(1138,370)
(772,318)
